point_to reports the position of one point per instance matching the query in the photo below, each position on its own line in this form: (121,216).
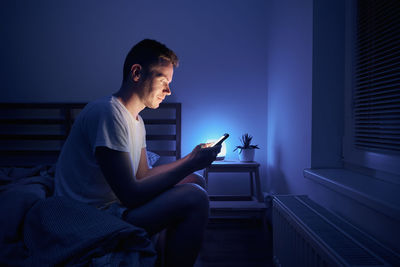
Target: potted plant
(246,149)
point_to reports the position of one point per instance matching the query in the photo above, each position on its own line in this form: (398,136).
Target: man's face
(156,85)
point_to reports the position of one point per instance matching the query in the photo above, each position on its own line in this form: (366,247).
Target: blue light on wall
(207,126)
(201,124)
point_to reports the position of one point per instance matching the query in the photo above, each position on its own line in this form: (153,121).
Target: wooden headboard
(33,133)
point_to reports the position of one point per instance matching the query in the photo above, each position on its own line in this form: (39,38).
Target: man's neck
(127,96)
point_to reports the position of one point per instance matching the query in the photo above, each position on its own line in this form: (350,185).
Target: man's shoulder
(94,110)
(100,105)
(101,102)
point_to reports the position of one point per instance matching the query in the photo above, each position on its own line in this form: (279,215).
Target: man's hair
(148,53)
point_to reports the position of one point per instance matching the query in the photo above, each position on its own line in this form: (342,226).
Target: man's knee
(196,179)
(199,179)
(194,196)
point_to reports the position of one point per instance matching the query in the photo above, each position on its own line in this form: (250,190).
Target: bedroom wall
(74,50)
(289,94)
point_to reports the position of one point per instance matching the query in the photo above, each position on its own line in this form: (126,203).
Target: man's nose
(167,91)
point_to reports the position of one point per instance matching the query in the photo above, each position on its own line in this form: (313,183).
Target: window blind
(376,96)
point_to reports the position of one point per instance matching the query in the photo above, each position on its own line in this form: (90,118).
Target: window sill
(379,195)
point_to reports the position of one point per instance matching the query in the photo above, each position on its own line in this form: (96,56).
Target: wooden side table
(236,166)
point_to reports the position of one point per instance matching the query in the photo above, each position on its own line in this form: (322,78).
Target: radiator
(306,234)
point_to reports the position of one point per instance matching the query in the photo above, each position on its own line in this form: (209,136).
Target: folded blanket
(38,230)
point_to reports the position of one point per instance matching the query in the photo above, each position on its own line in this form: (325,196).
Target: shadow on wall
(276,181)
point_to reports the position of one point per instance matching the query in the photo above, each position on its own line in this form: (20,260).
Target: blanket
(37,229)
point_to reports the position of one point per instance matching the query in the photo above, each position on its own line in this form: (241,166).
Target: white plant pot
(246,154)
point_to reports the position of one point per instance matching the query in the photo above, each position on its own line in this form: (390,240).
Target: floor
(235,241)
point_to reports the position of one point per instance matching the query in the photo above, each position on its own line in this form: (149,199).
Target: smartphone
(220,140)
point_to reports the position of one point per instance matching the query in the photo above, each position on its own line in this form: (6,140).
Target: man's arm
(144,170)
(117,169)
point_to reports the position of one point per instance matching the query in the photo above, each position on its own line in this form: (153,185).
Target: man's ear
(136,72)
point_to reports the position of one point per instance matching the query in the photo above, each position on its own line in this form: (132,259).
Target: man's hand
(202,156)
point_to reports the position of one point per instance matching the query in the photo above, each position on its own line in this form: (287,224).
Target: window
(368,175)
(376,106)
(373,131)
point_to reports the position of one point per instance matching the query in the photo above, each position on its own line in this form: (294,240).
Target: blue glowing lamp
(221,155)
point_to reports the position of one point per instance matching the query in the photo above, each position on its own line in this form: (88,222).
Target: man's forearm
(160,180)
(164,168)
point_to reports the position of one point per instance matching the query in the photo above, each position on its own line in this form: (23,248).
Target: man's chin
(153,105)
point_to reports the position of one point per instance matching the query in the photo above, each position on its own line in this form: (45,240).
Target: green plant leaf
(245,141)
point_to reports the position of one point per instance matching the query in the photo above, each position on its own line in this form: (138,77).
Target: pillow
(152,158)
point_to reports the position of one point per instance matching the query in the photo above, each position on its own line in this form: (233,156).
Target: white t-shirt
(105,122)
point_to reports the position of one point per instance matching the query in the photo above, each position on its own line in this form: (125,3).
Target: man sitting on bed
(103,161)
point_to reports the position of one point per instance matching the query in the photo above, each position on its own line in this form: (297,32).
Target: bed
(40,230)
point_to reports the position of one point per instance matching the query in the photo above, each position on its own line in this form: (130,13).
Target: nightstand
(252,168)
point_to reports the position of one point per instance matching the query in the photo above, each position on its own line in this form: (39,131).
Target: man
(103,162)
